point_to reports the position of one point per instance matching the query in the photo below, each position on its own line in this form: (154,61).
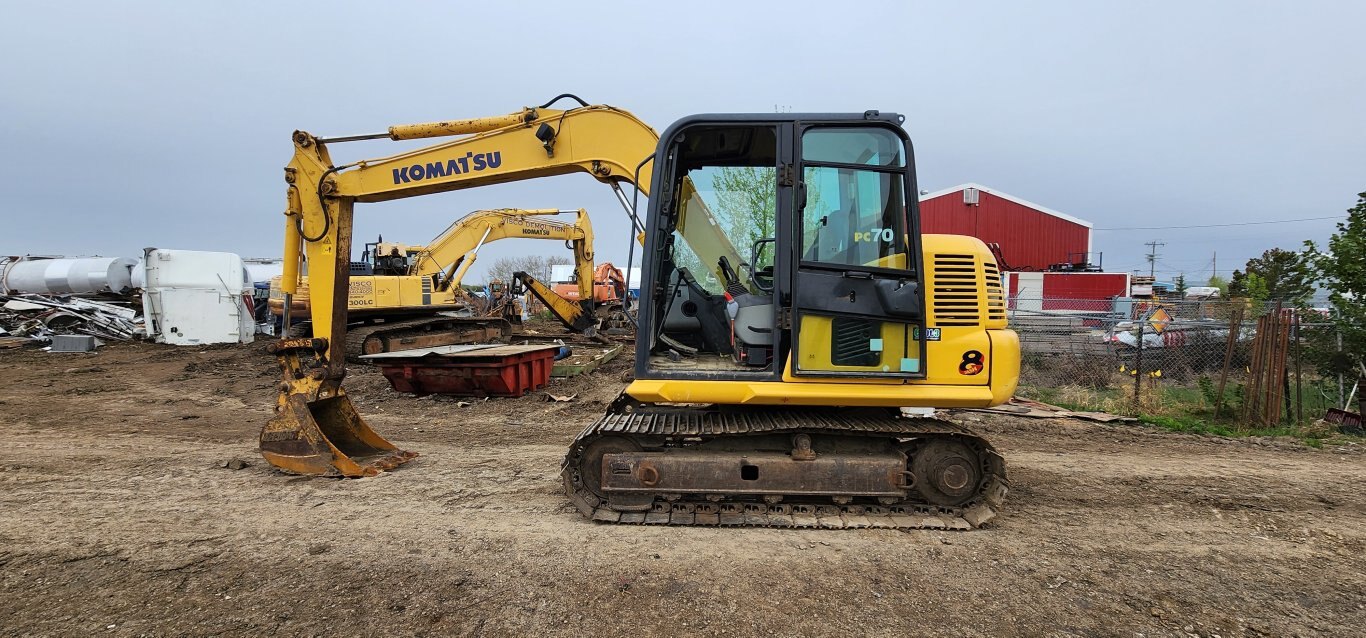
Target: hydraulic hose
(562,96)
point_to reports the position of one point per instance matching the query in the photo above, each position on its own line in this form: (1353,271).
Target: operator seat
(751,318)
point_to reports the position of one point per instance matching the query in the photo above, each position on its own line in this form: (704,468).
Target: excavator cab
(385,258)
(831,273)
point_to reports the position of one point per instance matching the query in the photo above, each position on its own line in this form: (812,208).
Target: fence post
(1235,327)
(1299,392)
(1138,370)
(1342,395)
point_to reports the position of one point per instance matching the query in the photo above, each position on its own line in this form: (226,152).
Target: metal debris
(38,318)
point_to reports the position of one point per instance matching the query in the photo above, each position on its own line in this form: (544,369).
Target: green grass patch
(1186,409)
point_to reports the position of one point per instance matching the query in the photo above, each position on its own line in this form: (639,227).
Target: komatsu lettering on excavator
(471,162)
(785,292)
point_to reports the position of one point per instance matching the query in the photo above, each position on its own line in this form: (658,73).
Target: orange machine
(609,286)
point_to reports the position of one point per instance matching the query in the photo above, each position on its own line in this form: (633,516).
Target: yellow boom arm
(602,141)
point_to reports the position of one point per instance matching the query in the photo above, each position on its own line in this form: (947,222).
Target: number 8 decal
(972,363)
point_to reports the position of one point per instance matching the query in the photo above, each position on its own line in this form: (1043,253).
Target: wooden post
(1252,390)
(1271,406)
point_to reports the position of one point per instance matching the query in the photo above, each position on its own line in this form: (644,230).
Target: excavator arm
(316,429)
(575,315)
(453,251)
(578,316)
(450,255)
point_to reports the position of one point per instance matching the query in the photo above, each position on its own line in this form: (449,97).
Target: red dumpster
(491,370)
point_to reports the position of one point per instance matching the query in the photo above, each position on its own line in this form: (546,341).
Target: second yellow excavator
(397,290)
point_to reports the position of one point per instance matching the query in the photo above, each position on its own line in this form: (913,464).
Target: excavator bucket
(316,430)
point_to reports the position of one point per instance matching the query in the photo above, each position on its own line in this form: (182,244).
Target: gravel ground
(119,517)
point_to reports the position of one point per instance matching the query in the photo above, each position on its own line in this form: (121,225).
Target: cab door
(857,303)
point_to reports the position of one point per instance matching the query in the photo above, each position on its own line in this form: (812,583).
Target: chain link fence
(1253,365)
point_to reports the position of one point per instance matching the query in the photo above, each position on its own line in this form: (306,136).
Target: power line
(1152,256)
(1277,221)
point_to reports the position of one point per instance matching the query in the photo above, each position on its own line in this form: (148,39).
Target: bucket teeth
(327,437)
(316,430)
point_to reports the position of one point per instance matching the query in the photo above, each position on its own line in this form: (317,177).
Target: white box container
(193,297)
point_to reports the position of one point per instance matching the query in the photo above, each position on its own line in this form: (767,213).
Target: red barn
(1031,236)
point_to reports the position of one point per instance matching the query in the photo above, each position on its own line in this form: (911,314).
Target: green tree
(1255,287)
(537,266)
(1215,281)
(1342,269)
(1278,275)
(1181,286)
(747,199)
(747,205)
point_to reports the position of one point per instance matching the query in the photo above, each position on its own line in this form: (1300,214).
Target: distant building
(1032,237)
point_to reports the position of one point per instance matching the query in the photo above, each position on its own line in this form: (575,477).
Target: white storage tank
(84,276)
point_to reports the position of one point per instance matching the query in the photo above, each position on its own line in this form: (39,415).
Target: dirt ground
(119,517)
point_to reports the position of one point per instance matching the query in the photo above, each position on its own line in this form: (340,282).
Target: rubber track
(356,336)
(793,511)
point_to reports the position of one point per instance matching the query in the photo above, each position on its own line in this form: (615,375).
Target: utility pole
(1152,256)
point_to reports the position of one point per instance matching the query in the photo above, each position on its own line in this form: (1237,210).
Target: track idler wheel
(947,472)
(590,463)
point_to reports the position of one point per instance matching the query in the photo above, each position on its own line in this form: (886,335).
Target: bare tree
(537,266)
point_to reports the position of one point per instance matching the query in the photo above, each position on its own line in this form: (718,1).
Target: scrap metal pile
(29,318)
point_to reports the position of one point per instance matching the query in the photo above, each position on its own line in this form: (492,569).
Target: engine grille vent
(850,340)
(955,291)
(996,299)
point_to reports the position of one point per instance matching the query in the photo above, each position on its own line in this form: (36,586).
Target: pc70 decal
(884,235)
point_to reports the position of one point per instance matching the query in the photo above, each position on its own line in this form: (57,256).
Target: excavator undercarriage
(782,467)
(409,334)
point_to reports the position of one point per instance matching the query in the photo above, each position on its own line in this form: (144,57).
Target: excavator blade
(316,430)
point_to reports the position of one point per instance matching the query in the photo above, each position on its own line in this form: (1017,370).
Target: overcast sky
(124,125)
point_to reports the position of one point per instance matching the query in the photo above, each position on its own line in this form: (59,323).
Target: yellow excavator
(397,289)
(767,390)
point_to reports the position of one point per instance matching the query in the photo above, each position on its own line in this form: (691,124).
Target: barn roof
(1006,196)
